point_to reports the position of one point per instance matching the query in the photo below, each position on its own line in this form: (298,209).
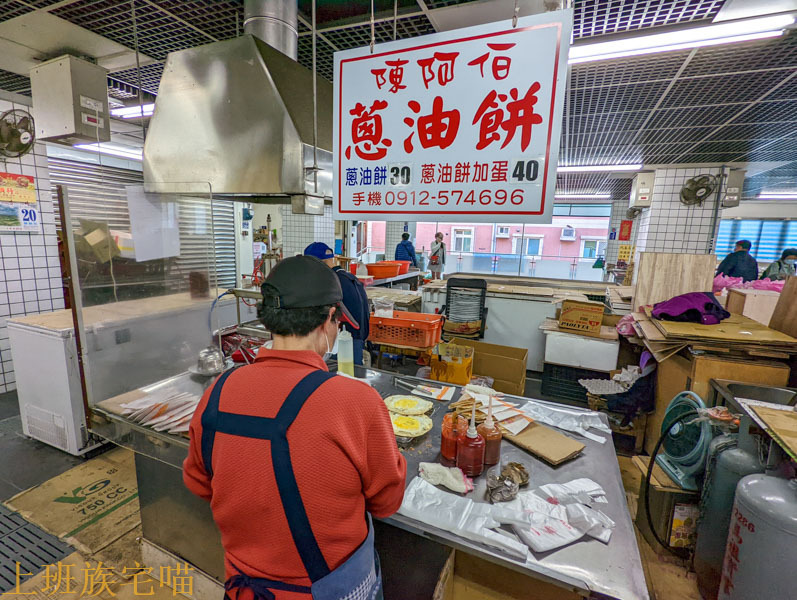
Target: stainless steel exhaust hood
(238,114)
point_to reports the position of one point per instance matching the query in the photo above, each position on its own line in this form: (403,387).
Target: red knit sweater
(344,456)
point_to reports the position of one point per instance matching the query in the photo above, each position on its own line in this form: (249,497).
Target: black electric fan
(16,133)
(697,189)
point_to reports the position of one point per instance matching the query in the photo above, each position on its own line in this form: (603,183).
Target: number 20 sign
(452,125)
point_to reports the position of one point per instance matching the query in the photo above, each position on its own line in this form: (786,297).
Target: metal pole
(315,110)
(138,71)
(75,300)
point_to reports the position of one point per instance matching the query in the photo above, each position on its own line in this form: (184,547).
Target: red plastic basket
(419,330)
(403,269)
(382,270)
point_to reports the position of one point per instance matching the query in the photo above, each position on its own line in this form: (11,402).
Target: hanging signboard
(625,230)
(462,125)
(18,203)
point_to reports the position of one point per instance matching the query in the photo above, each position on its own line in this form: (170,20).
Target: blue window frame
(768,237)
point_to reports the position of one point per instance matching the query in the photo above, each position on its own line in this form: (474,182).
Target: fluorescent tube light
(709,35)
(598,168)
(111,149)
(582,195)
(778,196)
(133,112)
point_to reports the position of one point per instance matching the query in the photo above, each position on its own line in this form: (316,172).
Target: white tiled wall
(619,210)
(300,230)
(670,226)
(30,278)
(393,231)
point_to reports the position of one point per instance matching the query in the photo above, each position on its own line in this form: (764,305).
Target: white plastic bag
(461,516)
(567,419)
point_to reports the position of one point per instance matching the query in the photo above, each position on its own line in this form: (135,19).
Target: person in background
(294,511)
(354,297)
(739,263)
(437,256)
(405,250)
(783,268)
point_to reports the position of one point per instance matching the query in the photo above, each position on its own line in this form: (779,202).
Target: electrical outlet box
(70,101)
(732,190)
(642,190)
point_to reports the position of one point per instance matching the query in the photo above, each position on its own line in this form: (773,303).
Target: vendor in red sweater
(292,458)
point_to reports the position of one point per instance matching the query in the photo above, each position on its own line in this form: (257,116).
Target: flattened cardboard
(88,506)
(548,444)
(782,423)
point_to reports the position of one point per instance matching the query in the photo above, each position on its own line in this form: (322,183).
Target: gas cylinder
(759,556)
(728,461)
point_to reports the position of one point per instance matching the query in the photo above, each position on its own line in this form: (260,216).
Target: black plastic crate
(597,297)
(562,382)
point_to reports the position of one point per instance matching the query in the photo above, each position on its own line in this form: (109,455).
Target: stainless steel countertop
(409,275)
(613,570)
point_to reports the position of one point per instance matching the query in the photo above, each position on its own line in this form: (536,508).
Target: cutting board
(548,444)
(661,276)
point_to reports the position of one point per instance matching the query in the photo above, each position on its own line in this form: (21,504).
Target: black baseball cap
(304,282)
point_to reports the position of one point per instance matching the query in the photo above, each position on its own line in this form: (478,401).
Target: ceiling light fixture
(777,196)
(133,112)
(562,196)
(112,149)
(710,35)
(598,168)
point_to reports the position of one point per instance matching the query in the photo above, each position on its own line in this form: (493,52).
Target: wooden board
(672,378)
(781,423)
(784,317)
(755,304)
(661,276)
(734,329)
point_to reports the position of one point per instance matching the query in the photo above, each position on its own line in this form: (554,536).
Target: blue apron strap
(275,430)
(292,504)
(209,422)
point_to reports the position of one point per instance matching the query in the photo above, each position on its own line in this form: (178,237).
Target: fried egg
(407,405)
(407,426)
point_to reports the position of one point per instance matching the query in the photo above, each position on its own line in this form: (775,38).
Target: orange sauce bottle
(492,437)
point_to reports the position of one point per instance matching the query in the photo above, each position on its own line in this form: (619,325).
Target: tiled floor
(25,462)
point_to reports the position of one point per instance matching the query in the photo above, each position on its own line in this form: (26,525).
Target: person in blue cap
(354,297)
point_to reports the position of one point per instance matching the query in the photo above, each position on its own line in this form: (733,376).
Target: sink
(730,390)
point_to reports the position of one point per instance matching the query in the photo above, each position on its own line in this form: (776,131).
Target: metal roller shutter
(98,193)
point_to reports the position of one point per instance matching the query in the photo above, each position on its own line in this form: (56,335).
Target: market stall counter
(177,523)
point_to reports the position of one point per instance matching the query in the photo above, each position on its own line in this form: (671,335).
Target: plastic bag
(569,420)
(383,307)
(451,477)
(625,326)
(461,516)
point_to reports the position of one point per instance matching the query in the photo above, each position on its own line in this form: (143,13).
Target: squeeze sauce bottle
(453,426)
(345,353)
(470,449)
(492,437)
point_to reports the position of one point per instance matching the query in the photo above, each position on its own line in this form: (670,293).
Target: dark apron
(356,579)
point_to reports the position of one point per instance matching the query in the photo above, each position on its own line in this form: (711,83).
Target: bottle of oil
(470,449)
(492,437)
(345,353)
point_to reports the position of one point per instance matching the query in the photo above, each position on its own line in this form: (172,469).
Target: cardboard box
(584,317)
(468,577)
(665,497)
(755,304)
(452,363)
(505,364)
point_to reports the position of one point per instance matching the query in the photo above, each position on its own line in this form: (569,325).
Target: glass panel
(769,237)
(590,249)
(145,294)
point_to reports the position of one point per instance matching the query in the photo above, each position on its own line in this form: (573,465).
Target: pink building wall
(552,245)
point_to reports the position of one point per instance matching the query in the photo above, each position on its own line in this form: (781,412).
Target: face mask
(790,261)
(333,349)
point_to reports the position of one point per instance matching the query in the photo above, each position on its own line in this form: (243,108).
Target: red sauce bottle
(470,449)
(492,437)
(453,427)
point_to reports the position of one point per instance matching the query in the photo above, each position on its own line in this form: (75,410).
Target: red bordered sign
(463,124)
